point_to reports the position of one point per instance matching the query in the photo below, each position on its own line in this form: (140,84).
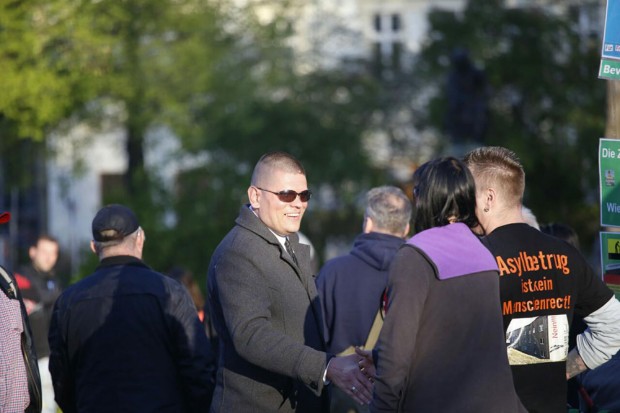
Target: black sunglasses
(289,195)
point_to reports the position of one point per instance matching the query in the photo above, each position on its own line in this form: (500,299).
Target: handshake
(354,374)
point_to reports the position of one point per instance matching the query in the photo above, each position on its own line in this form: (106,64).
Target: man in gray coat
(265,309)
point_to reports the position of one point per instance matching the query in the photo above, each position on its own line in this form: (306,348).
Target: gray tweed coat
(267,315)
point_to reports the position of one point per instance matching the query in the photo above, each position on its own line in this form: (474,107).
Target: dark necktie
(290,251)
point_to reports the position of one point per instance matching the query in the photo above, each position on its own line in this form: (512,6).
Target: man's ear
(254,197)
(140,239)
(368,225)
(92,247)
(490,199)
(406,233)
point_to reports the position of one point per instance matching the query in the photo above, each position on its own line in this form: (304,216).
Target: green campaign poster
(609,69)
(610,260)
(609,174)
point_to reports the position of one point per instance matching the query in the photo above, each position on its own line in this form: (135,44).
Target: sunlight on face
(283,218)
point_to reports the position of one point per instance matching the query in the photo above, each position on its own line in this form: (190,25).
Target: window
(396,23)
(377,21)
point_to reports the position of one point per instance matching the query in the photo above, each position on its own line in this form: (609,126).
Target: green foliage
(319,118)
(247,99)
(42,66)
(224,81)
(546,101)
(226,85)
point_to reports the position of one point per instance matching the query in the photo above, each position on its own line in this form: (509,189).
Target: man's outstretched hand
(353,375)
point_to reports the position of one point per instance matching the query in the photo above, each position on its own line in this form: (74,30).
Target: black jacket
(32,369)
(128,339)
(44,290)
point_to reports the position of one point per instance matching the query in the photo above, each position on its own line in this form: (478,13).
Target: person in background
(563,232)
(186,278)
(544,282)
(265,308)
(351,286)
(599,389)
(314,258)
(126,338)
(442,346)
(529,217)
(593,390)
(20,384)
(41,288)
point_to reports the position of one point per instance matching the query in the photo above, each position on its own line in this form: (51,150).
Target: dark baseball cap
(4,217)
(114,222)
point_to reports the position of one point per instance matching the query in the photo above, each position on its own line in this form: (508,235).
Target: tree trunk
(612,129)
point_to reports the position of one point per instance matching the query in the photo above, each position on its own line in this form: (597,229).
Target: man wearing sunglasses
(264,305)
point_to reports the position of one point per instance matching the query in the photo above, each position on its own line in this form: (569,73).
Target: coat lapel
(303,272)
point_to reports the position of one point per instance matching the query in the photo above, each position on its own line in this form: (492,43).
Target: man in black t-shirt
(543,282)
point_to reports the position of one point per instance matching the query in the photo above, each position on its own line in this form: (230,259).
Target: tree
(256,102)
(41,79)
(546,103)
(221,79)
(43,82)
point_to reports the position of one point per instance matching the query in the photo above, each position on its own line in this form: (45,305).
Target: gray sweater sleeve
(601,340)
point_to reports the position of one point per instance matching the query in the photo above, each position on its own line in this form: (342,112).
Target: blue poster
(611,38)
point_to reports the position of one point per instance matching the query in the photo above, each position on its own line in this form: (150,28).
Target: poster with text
(611,36)
(609,181)
(609,69)
(610,260)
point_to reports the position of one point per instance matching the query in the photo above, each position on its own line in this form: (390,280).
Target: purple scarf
(454,250)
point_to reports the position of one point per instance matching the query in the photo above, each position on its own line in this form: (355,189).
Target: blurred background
(166,105)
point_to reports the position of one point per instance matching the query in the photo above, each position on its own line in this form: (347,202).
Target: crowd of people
(477,311)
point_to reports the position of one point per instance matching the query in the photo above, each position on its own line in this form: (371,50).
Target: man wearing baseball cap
(127,338)
(19,374)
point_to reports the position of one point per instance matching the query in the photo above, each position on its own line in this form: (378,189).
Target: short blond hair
(275,160)
(498,168)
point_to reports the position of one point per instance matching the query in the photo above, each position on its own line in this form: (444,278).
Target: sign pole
(612,125)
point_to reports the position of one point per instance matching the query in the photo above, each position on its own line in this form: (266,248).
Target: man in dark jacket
(126,338)
(20,389)
(40,289)
(544,283)
(350,286)
(264,305)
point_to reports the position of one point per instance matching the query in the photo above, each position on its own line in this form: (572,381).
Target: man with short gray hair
(126,338)
(351,286)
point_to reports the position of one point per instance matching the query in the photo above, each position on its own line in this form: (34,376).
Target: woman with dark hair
(442,346)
